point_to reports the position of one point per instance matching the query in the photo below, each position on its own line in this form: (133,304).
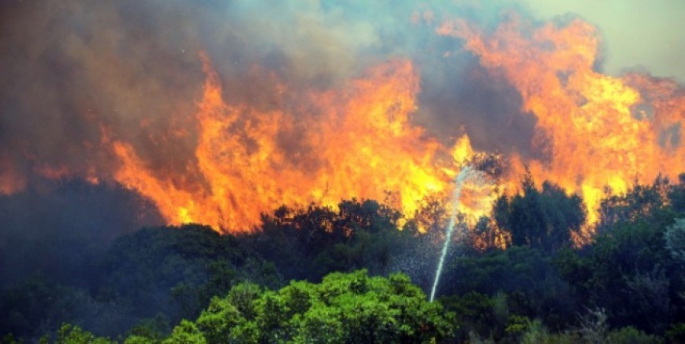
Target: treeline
(625,284)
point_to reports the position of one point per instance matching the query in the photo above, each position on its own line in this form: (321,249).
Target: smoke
(79,74)
(76,71)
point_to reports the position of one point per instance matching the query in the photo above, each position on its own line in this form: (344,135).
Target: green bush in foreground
(342,308)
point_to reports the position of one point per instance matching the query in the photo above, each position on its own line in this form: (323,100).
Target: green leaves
(343,308)
(311,242)
(218,319)
(186,333)
(542,219)
(69,334)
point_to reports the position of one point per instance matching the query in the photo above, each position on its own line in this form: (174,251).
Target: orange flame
(597,133)
(589,123)
(354,142)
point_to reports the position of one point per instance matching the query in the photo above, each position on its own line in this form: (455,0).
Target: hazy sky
(647,33)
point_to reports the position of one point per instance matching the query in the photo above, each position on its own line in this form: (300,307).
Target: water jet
(466,173)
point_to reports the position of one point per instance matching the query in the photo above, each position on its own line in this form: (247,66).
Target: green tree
(631,269)
(343,308)
(311,242)
(186,333)
(177,270)
(542,219)
(518,281)
(70,334)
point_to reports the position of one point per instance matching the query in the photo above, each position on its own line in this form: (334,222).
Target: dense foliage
(343,308)
(165,273)
(189,284)
(310,243)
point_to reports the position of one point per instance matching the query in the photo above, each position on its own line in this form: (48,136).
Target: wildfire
(356,141)
(356,138)
(590,125)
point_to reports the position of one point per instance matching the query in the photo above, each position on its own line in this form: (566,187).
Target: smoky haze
(79,73)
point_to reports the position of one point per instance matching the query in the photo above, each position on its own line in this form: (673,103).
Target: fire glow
(591,124)
(359,143)
(357,139)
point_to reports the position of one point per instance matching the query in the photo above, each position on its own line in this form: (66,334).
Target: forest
(359,273)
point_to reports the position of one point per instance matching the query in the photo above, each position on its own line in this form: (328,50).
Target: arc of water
(463,175)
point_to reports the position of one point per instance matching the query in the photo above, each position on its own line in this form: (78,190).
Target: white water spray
(463,175)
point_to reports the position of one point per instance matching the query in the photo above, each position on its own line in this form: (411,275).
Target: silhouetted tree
(312,242)
(542,219)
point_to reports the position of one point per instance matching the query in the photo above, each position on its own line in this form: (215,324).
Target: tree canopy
(190,284)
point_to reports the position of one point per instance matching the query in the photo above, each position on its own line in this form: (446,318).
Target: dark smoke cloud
(471,100)
(76,68)
(131,69)
(77,72)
